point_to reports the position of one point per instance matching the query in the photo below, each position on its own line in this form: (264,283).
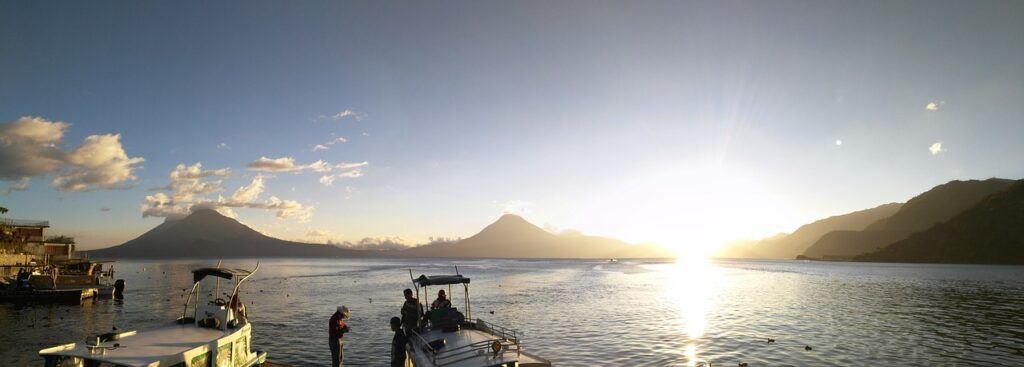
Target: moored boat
(77,274)
(217,333)
(452,339)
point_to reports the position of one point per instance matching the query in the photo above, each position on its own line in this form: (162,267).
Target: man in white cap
(336,330)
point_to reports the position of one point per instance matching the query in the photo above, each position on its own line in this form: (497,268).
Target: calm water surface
(582,313)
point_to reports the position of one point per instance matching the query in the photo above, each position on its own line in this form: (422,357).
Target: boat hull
(48,295)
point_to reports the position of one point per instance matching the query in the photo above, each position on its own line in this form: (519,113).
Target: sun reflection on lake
(692,286)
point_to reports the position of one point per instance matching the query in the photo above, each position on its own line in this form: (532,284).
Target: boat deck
(469,347)
(145,347)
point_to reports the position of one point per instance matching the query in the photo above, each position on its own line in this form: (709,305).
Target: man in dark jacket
(411,312)
(398,343)
(336,330)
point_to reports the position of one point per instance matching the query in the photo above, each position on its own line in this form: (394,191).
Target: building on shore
(24,242)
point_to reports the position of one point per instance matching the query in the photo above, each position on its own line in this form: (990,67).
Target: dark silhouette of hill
(207,234)
(921,212)
(990,232)
(789,246)
(511,236)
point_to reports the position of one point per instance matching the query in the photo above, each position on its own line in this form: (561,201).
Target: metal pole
(469,309)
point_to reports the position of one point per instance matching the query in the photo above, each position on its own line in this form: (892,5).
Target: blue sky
(683,123)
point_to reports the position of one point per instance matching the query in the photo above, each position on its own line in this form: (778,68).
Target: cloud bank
(190,186)
(31,146)
(288,165)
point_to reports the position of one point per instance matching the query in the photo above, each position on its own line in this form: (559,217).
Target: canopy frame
(423,281)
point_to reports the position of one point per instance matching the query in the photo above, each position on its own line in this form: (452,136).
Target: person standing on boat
(23,278)
(398,343)
(411,312)
(441,301)
(336,335)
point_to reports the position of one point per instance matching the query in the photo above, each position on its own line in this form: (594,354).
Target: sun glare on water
(691,286)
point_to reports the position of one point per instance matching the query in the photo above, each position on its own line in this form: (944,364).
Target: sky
(686,124)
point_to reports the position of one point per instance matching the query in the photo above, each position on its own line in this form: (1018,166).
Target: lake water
(586,313)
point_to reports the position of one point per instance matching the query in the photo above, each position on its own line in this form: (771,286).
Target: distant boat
(453,340)
(613,261)
(78,274)
(217,334)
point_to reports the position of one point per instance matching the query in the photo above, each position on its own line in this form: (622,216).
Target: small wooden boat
(77,274)
(456,341)
(216,334)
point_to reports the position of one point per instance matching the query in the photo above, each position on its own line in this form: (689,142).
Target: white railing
(468,351)
(504,332)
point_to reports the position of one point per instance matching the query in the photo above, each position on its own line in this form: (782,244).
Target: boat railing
(426,346)
(504,332)
(468,351)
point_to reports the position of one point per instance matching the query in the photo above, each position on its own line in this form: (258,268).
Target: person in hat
(336,335)
(441,301)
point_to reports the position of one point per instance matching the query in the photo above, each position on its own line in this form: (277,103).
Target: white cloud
(327,145)
(223,146)
(188,188)
(287,164)
(934,105)
(99,163)
(161,205)
(195,171)
(344,166)
(227,212)
(248,197)
(367,243)
(30,146)
(348,113)
(187,181)
(249,192)
(19,185)
(327,180)
(351,170)
(936,148)
(518,207)
(353,173)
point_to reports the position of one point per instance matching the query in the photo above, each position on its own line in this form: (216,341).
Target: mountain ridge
(793,244)
(512,236)
(206,233)
(936,205)
(990,232)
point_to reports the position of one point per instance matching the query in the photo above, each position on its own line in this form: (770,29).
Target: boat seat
(212,315)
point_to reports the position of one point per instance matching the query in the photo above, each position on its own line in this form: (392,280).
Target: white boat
(453,340)
(217,334)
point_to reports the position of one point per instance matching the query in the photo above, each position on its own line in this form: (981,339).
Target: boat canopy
(424,280)
(225,273)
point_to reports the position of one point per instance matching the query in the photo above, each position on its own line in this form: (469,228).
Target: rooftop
(25,222)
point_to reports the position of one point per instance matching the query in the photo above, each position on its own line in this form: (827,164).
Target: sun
(692,211)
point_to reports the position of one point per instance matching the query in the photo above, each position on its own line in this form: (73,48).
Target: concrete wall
(9,262)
